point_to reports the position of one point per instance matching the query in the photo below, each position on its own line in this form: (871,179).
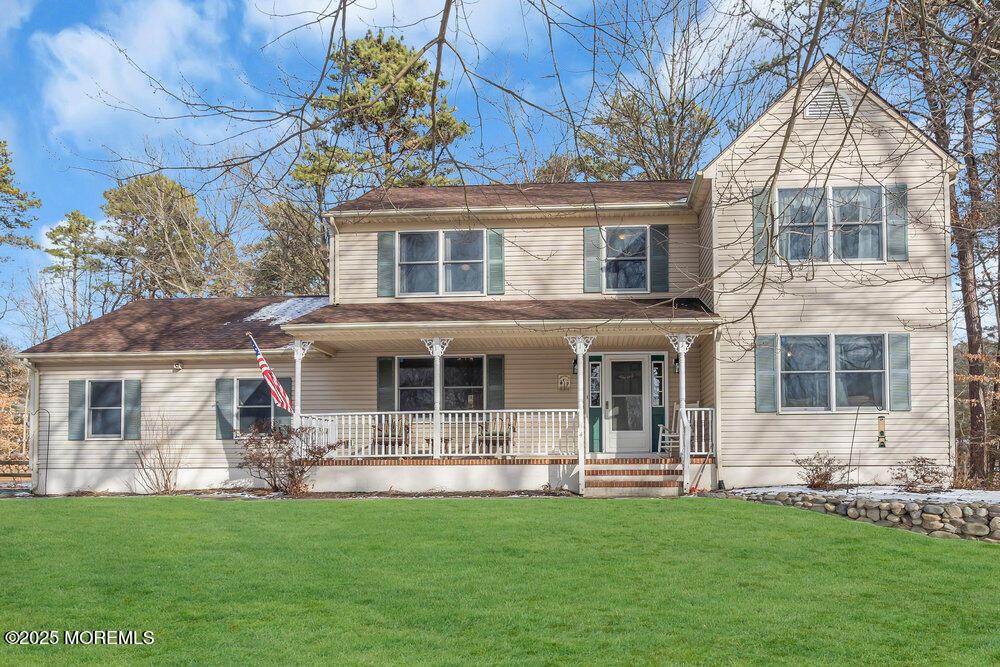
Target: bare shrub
(822,471)
(919,474)
(281,458)
(157,457)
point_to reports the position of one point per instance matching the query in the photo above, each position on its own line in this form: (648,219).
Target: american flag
(277,391)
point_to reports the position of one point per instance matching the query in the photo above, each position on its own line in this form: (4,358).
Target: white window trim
(121,429)
(441,264)
(600,384)
(832,373)
(663,381)
(831,258)
(236,400)
(604,261)
(395,379)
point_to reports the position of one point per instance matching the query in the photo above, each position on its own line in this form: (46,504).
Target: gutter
(462,324)
(172,354)
(506,210)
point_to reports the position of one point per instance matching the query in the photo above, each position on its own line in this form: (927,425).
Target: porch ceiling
(476,337)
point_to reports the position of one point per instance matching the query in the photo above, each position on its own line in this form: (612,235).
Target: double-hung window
(463,383)
(105,414)
(857,222)
(802,224)
(846,223)
(626,259)
(254,407)
(824,372)
(441,262)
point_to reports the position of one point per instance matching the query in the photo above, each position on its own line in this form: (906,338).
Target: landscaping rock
(953,511)
(977,529)
(897,508)
(932,524)
(941,533)
(933,509)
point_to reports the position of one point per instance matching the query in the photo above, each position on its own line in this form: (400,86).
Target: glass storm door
(626,410)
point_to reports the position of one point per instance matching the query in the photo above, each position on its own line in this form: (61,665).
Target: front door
(626,408)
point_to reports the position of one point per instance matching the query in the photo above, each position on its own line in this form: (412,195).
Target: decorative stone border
(971,521)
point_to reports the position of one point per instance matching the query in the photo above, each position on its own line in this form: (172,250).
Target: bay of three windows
(824,223)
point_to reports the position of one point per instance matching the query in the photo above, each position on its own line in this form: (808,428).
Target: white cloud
(95,89)
(14,14)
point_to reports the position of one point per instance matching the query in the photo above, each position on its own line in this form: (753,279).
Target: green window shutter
(592,259)
(766,374)
(133,409)
(494,254)
(387,263)
(896,217)
(283,418)
(659,260)
(494,382)
(760,223)
(77,422)
(386,384)
(224,389)
(899,372)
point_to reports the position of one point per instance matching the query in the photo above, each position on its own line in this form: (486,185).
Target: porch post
(299,349)
(681,344)
(436,346)
(580,345)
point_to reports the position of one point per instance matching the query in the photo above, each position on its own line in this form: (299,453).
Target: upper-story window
(626,259)
(441,262)
(823,224)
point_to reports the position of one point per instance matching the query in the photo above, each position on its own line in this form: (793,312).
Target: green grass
(459,581)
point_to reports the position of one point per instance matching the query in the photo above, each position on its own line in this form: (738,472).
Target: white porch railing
(463,433)
(508,433)
(701,433)
(378,434)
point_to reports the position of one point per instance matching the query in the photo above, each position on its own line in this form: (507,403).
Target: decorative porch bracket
(437,346)
(682,343)
(580,345)
(299,349)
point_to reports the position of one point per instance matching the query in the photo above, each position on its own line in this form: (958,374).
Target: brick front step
(634,484)
(632,472)
(695,460)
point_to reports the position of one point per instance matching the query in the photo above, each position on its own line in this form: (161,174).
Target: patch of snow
(885,493)
(285,311)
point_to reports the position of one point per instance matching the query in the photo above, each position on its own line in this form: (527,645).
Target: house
(612,338)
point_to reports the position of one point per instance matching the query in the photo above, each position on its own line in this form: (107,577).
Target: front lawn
(488,580)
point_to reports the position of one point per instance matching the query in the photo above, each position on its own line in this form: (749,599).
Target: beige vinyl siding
(837,298)
(706,254)
(543,259)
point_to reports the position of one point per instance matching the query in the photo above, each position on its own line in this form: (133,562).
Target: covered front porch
(522,393)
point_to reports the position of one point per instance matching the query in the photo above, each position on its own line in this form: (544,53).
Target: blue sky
(74,97)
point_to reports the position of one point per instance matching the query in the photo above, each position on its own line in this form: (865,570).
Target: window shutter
(387,263)
(283,418)
(659,260)
(896,217)
(386,384)
(224,388)
(760,222)
(899,372)
(494,250)
(77,429)
(494,382)
(592,259)
(766,374)
(132,398)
